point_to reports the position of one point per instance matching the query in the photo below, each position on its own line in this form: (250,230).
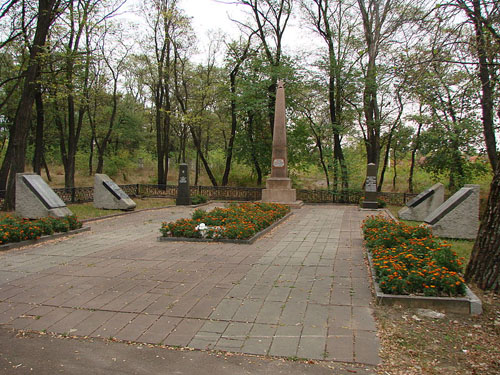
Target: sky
(215,15)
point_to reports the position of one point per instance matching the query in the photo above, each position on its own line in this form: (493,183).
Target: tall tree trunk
(40,119)
(22,122)
(386,160)
(234,123)
(484,264)
(197,144)
(486,85)
(416,145)
(394,178)
(250,136)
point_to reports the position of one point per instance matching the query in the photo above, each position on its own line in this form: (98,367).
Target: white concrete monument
(110,196)
(458,217)
(423,204)
(36,199)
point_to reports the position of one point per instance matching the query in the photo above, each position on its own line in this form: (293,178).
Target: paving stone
(340,348)
(214,326)
(248,311)
(93,322)
(270,312)
(285,342)
(159,330)
(135,328)
(365,345)
(184,332)
(110,328)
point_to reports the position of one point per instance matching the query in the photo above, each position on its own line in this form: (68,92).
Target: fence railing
(85,194)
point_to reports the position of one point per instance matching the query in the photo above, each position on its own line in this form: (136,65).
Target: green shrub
(198,199)
(409,260)
(15,229)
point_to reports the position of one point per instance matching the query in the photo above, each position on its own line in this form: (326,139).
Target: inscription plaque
(43,191)
(371,184)
(114,189)
(279,163)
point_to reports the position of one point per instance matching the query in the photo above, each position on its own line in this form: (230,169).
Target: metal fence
(86,194)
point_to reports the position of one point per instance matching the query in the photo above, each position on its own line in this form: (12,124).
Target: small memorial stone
(458,217)
(109,196)
(423,204)
(36,199)
(370,200)
(183,197)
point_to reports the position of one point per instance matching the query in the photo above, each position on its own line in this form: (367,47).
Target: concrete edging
(251,240)
(470,304)
(15,245)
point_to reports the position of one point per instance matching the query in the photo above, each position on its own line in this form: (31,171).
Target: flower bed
(409,260)
(15,229)
(238,221)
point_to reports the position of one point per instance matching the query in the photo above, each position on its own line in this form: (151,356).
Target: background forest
(410,87)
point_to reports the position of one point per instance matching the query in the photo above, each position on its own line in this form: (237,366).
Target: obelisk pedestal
(279,186)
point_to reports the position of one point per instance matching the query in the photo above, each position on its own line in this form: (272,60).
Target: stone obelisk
(279,186)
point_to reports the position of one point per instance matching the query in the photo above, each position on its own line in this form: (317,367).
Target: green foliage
(239,221)
(409,260)
(198,199)
(15,229)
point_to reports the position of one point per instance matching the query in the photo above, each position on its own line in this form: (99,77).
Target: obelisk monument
(279,186)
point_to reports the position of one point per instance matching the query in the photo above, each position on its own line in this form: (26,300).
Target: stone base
(370,205)
(183,201)
(111,203)
(279,183)
(279,195)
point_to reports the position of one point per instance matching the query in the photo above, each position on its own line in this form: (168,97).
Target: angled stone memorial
(36,199)
(109,196)
(458,217)
(423,204)
(370,201)
(278,185)
(183,197)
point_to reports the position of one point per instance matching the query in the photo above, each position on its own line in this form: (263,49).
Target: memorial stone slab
(183,197)
(36,199)
(423,204)
(371,195)
(109,196)
(458,217)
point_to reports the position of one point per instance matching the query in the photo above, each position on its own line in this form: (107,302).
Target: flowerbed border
(15,245)
(470,304)
(251,240)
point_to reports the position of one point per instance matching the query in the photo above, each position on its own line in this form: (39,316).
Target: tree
(484,264)
(333,21)
(47,12)
(271,19)
(237,54)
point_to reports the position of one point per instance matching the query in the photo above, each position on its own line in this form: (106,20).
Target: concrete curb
(470,304)
(226,240)
(15,245)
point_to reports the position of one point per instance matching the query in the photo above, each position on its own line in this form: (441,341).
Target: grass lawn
(87,210)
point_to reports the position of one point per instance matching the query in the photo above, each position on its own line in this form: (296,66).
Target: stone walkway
(300,291)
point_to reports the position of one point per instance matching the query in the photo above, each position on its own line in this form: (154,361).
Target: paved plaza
(301,291)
